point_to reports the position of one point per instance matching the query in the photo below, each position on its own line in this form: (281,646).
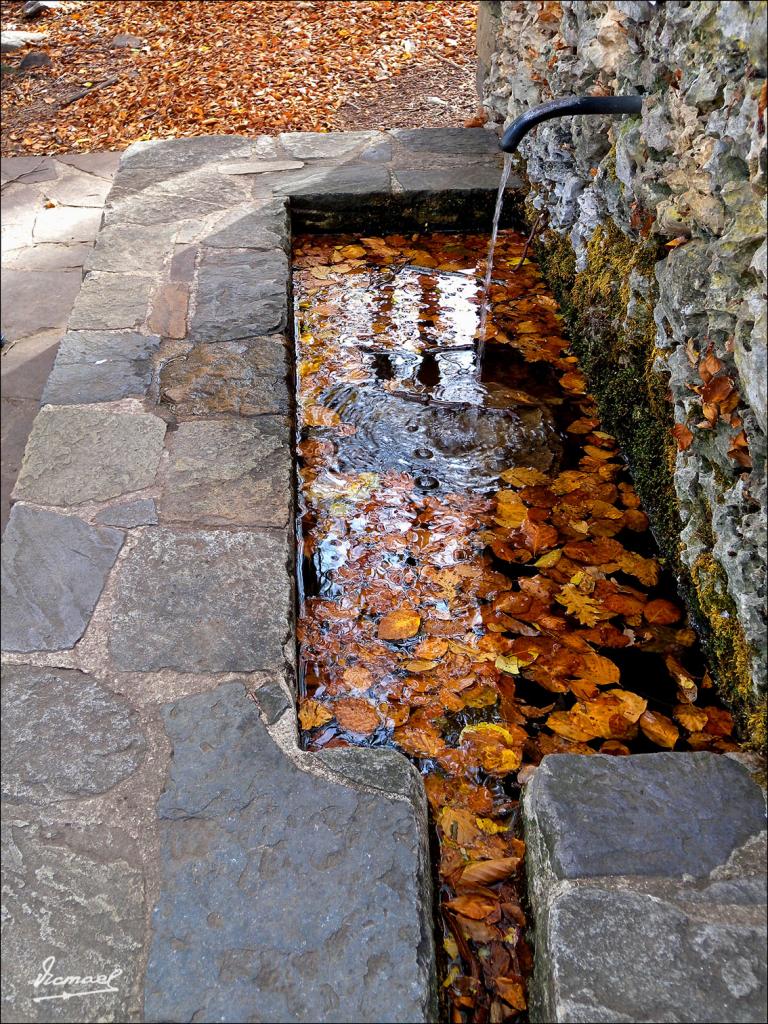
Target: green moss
(617,351)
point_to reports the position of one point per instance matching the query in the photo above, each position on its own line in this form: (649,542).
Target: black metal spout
(520,127)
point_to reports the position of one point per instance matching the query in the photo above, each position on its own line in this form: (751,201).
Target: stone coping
(160,821)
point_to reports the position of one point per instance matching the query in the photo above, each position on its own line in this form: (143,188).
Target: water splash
(489,266)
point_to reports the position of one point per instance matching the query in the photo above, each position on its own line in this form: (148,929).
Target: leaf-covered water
(479,587)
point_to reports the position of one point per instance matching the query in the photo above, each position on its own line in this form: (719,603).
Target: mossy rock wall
(654,241)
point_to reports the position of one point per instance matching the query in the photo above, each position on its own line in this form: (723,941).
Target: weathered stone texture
(64,736)
(692,167)
(284,895)
(240,294)
(111,302)
(54,568)
(203,601)
(128,514)
(100,366)
(80,453)
(244,378)
(228,473)
(647,882)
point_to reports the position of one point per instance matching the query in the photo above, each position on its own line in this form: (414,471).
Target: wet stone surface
(228,473)
(203,601)
(245,378)
(54,568)
(83,453)
(324,918)
(64,736)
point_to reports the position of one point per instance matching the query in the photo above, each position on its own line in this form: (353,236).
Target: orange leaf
(486,872)
(659,729)
(313,714)
(400,624)
(356,715)
(661,612)
(683,435)
(474,907)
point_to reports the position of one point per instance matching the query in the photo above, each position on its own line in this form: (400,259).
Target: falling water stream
(489,263)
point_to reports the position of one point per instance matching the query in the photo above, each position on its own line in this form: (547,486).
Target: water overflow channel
(478,586)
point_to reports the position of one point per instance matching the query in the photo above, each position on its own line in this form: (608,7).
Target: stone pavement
(647,884)
(161,826)
(44,248)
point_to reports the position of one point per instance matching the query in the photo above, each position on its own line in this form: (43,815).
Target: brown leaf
(486,872)
(659,729)
(400,624)
(683,435)
(662,612)
(356,715)
(475,907)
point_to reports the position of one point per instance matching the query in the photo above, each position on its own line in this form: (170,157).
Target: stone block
(128,514)
(461,178)
(245,378)
(27,169)
(203,601)
(54,568)
(111,302)
(328,145)
(169,310)
(229,473)
(448,141)
(240,294)
(350,179)
(124,248)
(74,188)
(37,300)
(665,814)
(263,228)
(100,366)
(64,736)
(285,894)
(67,224)
(73,905)
(80,453)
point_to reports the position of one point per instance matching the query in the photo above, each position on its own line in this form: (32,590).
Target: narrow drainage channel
(478,583)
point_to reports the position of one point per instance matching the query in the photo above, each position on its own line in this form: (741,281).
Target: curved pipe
(520,127)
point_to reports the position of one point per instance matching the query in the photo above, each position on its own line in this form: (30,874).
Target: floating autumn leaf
(486,872)
(475,907)
(580,605)
(691,718)
(538,536)
(356,715)
(686,686)
(659,729)
(498,749)
(719,722)
(524,476)
(313,714)
(400,624)
(512,991)
(612,715)
(662,612)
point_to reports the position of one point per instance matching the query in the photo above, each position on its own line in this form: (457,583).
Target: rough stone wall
(653,233)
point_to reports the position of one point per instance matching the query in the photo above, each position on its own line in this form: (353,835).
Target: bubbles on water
(427,483)
(423,453)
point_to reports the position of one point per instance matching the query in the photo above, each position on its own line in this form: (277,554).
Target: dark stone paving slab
(141,512)
(439,179)
(245,378)
(54,568)
(228,473)
(64,736)
(647,880)
(36,300)
(73,905)
(240,294)
(453,142)
(100,366)
(261,229)
(79,453)
(110,302)
(285,896)
(203,601)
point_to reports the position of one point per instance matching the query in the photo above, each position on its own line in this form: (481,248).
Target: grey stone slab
(461,177)
(67,224)
(614,956)
(259,166)
(240,294)
(185,154)
(27,364)
(285,896)
(247,378)
(203,601)
(64,736)
(448,141)
(141,512)
(349,179)
(665,814)
(325,145)
(122,248)
(260,229)
(16,418)
(49,256)
(54,568)
(111,302)
(229,473)
(27,169)
(103,164)
(76,188)
(35,301)
(80,453)
(73,902)
(100,366)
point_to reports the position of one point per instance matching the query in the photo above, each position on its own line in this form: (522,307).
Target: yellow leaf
(551,558)
(508,664)
(520,476)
